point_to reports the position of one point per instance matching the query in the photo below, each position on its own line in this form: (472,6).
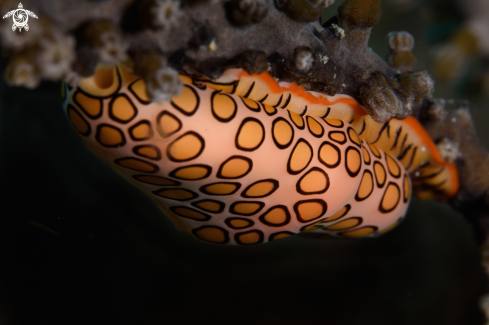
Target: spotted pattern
(91,106)
(121,109)
(186,147)
(300,157)
(246,208)
(309,210)
(315,127)
(233,165)
(110,136)
(177,194)
(314,181)
(282,133)
(223,107)
(353,161)
(337,136)
(189,213)
(329,154)
(167,124)
(239,223)
(297,120)
(156,180)
(141,131)
(191,172)
(211,206)
(277,216)
(250,135)
(260,189)
(187,102)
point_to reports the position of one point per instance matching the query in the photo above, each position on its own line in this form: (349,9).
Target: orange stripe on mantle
(301,92)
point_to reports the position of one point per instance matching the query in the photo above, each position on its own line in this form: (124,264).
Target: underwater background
(79,245)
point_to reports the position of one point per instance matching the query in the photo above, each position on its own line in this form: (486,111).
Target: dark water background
(79,245)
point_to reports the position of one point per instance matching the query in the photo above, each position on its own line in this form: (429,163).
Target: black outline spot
(273,135)
(248,160)
(321,202)
(229,224)
(275,234)
(217,117)
(287,216)
(234,84)
(97,136)
(221,205)
(337,141)
(207,217)
(246,120)
(373,227)
(266,112)
(309,127)
(293,122)
(203,188)
(118,88)
(194,195)
(335,126)
(349,136)
(373,153)
(156,168)
(144,102)
(202,142)
(260,234)
(360,220)
(379,185)
(174,172)
(357,198)
(225,232)
(72,108)
(348,208)
(397,164)
(301,191)
(316,223)
(289,170)
(258,109)
(158,124)
(369,157)
(404,198)
(93,117)
(111,104)
(176,183)
(352,174)
(233,206)
(270,180)
(158,152)
(148,123)
(184,112)
(334,147)
(381,209)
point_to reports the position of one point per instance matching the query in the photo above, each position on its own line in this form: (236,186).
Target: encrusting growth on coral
(401,45)
(245,12)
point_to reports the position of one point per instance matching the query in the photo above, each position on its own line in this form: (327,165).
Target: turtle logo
(20,17)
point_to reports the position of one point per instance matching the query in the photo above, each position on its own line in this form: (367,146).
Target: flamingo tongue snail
(245,159)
